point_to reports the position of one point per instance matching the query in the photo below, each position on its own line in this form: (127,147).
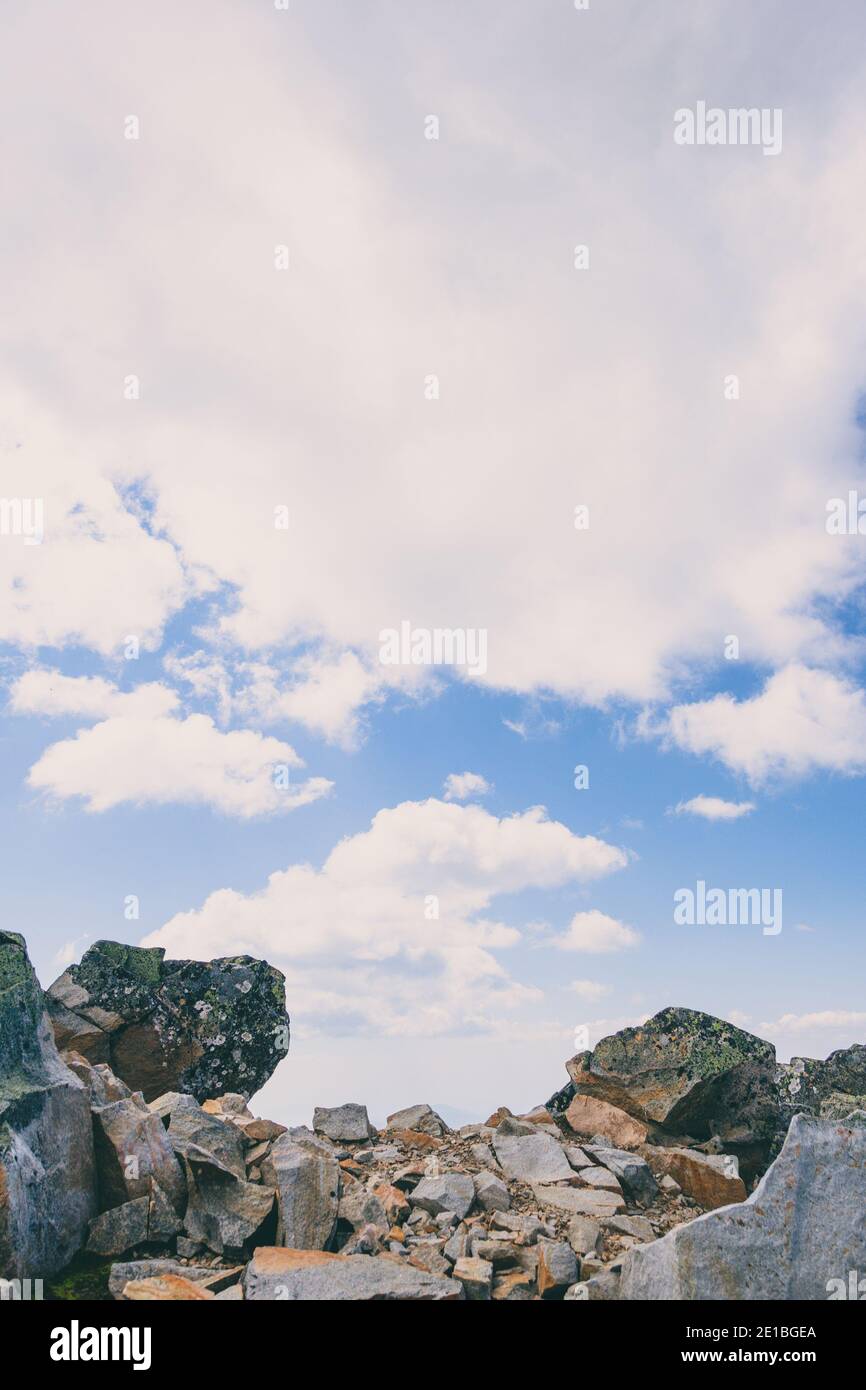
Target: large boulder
(831,1089)
(803,1227)
(47,1175)
(693,1074)
(203,1027)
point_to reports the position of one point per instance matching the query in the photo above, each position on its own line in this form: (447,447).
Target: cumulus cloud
(393,933)
(460,786)
(596,933)
(87,697)
(588,989)
(826,1018)
(714,808)
(803,721)
(157,760)
(232,425)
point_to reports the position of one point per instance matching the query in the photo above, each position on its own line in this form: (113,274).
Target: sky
(328,324)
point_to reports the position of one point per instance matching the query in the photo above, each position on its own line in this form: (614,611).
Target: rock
(531,1158)
(583,1201)
(483,1154)
(207,1142)
(223,1212)
(669,1185)
(557,1268)
(497,1117)
(347,1123)
(491,1193)
(133,1151)
(204,1027)
(119,1229)
(635,1226)
(476,1276)
(510,1125)
(234,1294)
(393,1201)
(214,1279)
(162,1218)
(429,1258)
(165,1288)
(514,1286)
(231,1103)
(164,1106)
(420,1119)
(526,1226)
(588,1115)
(633,1172)
(261,1131)
(830,1089)
(450,1192)
(601,1177)
(603,1287)
(711,1180)
(802,1227)
(584,1234)
(47,1172)
(690,1072)
(307,1182)
(295,1275)
(577,1158)
(360,1208)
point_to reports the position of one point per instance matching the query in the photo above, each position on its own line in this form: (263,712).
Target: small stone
(636,1226)
(420,1119)
(165,1288)
(531,1158)
(557,1268)
(449,1192)
(588,1115)
(348,1122)
(600,1177)
(476,1276)
(584,1201)
(491,1192)
(584,1234)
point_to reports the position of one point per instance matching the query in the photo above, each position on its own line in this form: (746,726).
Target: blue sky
(253,472)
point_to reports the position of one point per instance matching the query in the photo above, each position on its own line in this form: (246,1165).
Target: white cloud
(714,808)
(357,940)
(588,989)
(803,721)
(87,697)
(596,933)
(157,760)
(460,786)
(396,504)
(826,1018)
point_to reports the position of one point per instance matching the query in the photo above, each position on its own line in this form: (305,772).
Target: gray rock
(636,1226)
(584,1234)
(206,1141)
(802,1227)
(132,1270)
(164,1106)
(133,1150)
(361,1208)
(342,1122)
(579,1201)
(557,1268)
(301,1275)
(633,1172)
(491,1193)
(451,1192)
(420,1118)
(120,1229)
(577,1158)
(206,1027)
(601,1177)
(47,1171)
(476,1276)
(307,1182)
(529,1227)
(223,1212)
(531,1158)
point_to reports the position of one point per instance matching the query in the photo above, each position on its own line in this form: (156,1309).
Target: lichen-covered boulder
(832,1089)
(692,1074)
(47,1174)
(202,1027)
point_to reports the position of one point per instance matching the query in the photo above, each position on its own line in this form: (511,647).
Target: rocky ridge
(627,1184)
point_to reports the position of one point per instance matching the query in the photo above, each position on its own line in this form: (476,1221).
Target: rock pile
(627,1184)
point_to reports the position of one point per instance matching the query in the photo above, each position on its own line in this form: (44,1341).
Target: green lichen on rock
(85,1278)
(204,1027)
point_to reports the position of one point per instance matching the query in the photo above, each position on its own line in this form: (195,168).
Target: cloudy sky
(324,320)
